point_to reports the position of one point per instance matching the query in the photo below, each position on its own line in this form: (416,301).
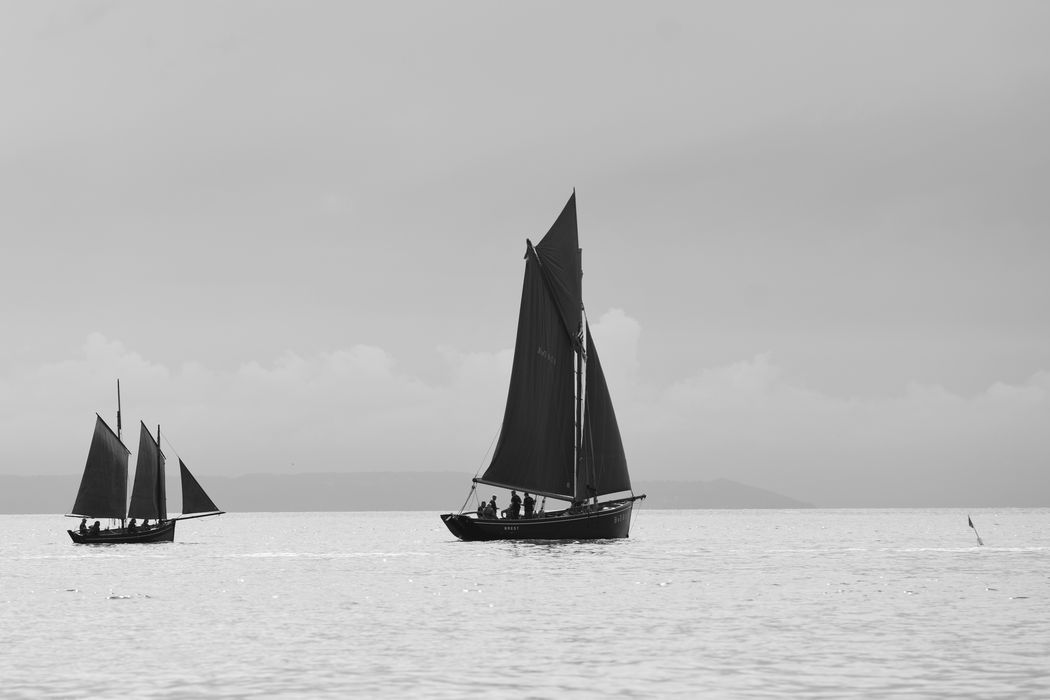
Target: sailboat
(104,490)
(559,437)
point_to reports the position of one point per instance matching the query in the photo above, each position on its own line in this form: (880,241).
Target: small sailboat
(104,491)
(559,438)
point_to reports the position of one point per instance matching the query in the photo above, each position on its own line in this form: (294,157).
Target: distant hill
(720,493)
(435,491)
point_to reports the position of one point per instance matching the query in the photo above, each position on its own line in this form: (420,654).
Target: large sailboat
(559,437)
(104,491)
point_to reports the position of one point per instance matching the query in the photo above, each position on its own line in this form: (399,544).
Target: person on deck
(490,511)
(131,526)
(95,529)
(83,526)
(514,512)
(481,509)
(530,504)
(495,508)
(144,524)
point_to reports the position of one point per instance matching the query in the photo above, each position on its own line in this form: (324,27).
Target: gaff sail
(148,498)
(535,448)
(104,487)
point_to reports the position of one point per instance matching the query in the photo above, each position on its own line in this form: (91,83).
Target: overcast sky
(816,235)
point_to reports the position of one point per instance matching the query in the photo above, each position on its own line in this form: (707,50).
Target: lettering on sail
(547,355)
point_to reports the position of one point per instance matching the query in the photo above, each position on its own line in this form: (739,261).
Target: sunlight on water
(814,603)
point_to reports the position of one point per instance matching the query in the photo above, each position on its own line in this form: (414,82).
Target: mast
(162,488)
(578,439)
(581,358)
(161,506)
(124,509)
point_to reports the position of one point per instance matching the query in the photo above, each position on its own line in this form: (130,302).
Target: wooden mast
(581,358)
(160,475)
(123,522)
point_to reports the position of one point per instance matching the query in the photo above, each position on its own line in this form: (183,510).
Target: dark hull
(611,520)
(164,533)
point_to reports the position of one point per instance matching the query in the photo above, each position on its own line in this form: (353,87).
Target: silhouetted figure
(83,526)
(530,504)
(495,508)
(514,512)
(481,509)
(95,529)
(490,511)
(131,526)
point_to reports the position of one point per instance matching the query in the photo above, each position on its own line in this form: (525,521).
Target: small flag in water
(970,522)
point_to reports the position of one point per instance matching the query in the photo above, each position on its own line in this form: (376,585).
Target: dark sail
(104,487)
(603,468)
(147,495)
(559,254)
(535,448)
(194,500)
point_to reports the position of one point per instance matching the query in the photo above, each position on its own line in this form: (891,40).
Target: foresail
(535,448)
(147,495)
(559,254)
(194,500)
(603,468)
(104,486)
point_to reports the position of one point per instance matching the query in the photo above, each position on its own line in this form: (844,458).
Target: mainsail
(536,447)
(104,486)
(194,500)
(148,499)
(603,468)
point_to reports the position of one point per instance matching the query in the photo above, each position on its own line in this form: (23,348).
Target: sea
(696,603)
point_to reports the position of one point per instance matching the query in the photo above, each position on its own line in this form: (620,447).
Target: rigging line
(164,437)
(634,511)
(485,456)
(473,482)
(473,490)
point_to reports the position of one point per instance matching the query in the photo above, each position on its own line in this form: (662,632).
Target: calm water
(822,603)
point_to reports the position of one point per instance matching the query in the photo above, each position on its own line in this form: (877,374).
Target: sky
(815,235)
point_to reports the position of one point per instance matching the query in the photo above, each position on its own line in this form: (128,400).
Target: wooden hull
(610,520)
(163,533)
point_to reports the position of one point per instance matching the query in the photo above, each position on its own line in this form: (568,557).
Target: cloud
(348,409)
(757,421)
(925,446)
(357,409)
